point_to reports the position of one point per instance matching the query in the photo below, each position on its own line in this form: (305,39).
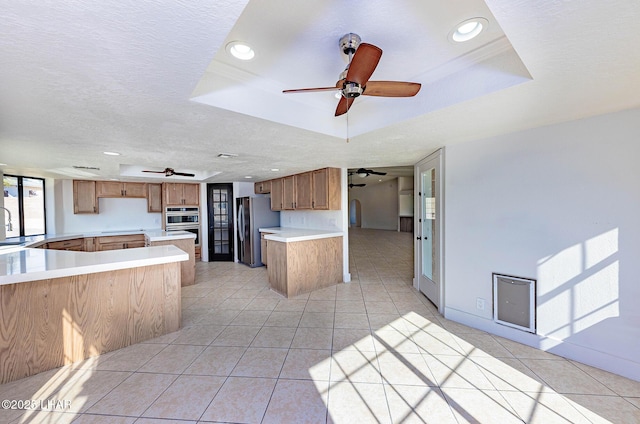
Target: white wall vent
(514,302)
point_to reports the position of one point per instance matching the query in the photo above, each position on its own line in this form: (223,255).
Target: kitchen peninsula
(302,260)
(61,306)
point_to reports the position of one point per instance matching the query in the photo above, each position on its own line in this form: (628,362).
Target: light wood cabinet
(76,244)
(326,192)
(289,192)
(120,189)
(119,242)
(187,268)
(318,190)
(304,191)
(276,194)
(84,197)
(263,249)
(263,187)
(177,194)
(154,198)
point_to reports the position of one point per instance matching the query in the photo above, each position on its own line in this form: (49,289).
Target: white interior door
(428,235)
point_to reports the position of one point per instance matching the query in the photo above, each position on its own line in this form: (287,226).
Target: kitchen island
(302,260)
(58,307)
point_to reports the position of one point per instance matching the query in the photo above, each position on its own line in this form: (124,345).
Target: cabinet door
(154,197)
(276,194)
(326,189)
(263,187)
(138,190)
(289,192)
(172,194)
(303,190)
(84,197)
(109,189)
(191,194)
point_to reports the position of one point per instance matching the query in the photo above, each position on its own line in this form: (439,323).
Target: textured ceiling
(80,78)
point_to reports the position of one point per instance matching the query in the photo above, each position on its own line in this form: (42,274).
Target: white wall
(115,214)
(379,204)
(560,204)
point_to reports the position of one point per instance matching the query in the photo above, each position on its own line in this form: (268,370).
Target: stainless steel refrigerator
(253,213)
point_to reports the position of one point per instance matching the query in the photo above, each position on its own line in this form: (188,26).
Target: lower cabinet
(76,244)
(187,268)
(118,242)
(263,249)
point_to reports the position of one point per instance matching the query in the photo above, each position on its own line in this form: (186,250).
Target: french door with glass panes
(428,251)
(220,220)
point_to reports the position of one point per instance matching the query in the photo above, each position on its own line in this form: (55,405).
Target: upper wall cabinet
(263,187)
(289,192)
(120,189)
(313,190)
(276,194)
(181,194)
(326,189)
(84,197)
(154,197)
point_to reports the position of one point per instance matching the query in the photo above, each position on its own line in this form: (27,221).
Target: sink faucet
(9,227)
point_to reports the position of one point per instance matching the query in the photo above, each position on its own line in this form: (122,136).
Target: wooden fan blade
(391,88)
(155,172)
(184,174)
(308,90)
(343,105)
(363,64)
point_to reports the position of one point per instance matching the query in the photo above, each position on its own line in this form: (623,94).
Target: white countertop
(288,234)
(20,264)
(150,235)
(23,262)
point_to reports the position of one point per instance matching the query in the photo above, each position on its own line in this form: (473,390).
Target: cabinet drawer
(73,244)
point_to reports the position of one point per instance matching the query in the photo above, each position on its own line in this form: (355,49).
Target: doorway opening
(220,219)
(355,213)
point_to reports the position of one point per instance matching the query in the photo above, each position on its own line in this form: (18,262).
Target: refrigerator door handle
(240,222)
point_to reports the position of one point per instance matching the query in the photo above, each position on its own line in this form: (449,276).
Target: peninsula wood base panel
(304,266)
(187,268)
(46,324)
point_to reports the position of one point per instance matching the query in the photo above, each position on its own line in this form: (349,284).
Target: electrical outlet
(480,303)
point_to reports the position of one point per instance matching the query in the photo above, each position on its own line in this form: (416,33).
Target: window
(24,203)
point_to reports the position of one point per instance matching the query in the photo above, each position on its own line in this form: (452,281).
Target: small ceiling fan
(351,185)
(168,172)
(354,80)
(362,173)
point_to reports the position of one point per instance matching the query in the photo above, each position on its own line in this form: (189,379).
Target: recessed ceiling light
(111,153)
(272,169)
(240,50)
(248,176)
(3,164)
(469,29)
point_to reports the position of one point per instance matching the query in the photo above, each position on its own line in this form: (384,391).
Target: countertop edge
(104,261)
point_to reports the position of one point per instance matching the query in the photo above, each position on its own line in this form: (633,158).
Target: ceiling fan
(354,80)
(351,185)
(362,173)
(168,172)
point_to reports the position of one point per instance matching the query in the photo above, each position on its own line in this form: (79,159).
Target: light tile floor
(374,350)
